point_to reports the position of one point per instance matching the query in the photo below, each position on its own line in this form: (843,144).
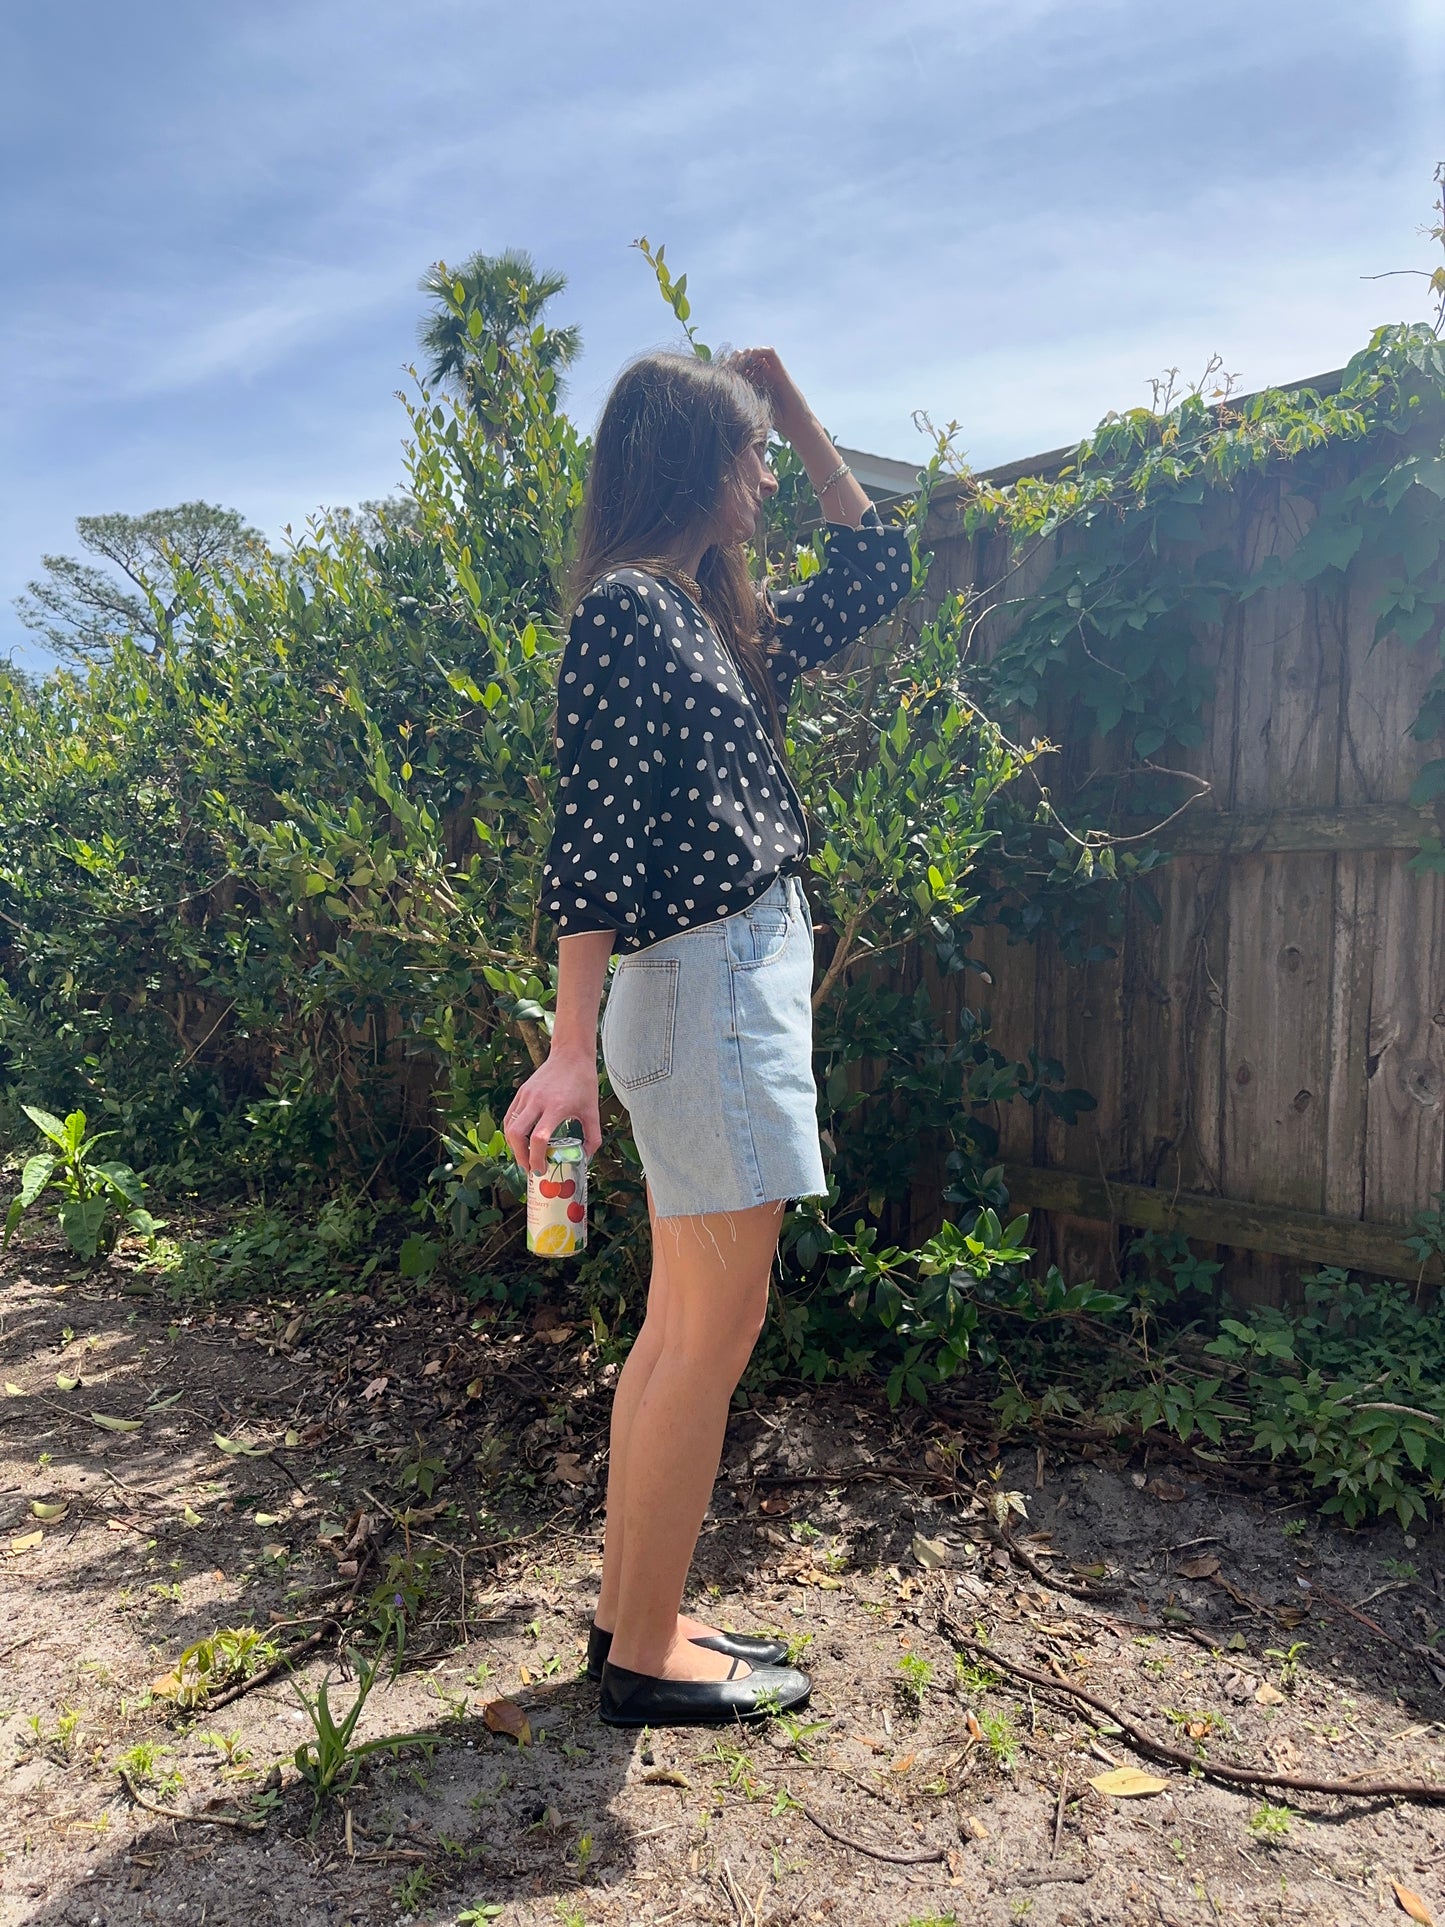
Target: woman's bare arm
(843,500)
(565,1085)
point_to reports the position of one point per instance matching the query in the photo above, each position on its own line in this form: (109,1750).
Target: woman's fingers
(541,1139)
(517,1124)
(534,1115)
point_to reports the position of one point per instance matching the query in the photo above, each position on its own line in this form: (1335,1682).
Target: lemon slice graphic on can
(553,1241)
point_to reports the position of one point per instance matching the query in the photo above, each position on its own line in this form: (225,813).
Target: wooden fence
(1269,1059)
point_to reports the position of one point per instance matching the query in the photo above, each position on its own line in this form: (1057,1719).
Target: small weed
(917,1677)
(230,1653)
(799,1732)
(228,1745)
(738,1768)
(569,1914)
(479,1915)
(410,1891)
(1289,1663)
(972,1679)
(143,1764)
(998,1731)
(59,1743)
(454,1704)
(480,1673)
(1269,1822)
(583,1849)
(1295,1528)
(1405,1570)
(330,1762)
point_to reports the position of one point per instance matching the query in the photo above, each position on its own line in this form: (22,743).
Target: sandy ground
(415,1454)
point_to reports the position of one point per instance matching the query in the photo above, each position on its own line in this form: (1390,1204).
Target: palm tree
(508,293)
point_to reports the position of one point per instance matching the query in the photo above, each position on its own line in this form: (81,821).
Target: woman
(680,841)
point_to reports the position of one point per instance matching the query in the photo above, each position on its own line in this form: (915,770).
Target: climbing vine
(1136,523)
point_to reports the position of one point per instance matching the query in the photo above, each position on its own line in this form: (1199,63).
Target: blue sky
(214,217)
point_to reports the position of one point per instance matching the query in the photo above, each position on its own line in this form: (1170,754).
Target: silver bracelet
(838,473)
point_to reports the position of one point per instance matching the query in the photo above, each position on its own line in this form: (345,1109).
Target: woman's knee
(723,1330)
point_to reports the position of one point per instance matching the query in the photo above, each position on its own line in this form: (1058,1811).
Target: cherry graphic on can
(557,1201)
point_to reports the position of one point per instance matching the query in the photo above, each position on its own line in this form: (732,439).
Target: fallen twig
(1144,1741)
(175,1813)
(1043,1876)
(1026,1559)
(921,1858)
(1421,1653)
(1059,1813)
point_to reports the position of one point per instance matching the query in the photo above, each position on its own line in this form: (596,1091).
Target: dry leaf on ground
(1166,1490)
(1128,1783)
(1204,1565)
(1268,1695)
(505,1716)
(1411,1904)
(568,1469)
(27,1542)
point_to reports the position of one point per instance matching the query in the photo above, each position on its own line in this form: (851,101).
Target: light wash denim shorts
(708,1042)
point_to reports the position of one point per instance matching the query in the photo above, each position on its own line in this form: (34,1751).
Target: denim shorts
(708,1042)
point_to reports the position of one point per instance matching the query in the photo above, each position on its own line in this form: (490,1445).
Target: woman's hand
(763,369)
(566,1084)
(563,1086)
(838,492)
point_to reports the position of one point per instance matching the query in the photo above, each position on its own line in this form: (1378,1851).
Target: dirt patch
(420,1466)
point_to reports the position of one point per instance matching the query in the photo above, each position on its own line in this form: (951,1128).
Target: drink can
(557,1201)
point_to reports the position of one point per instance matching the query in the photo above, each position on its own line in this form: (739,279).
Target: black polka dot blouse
(674,807)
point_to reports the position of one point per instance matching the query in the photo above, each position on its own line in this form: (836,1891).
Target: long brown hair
(672,434)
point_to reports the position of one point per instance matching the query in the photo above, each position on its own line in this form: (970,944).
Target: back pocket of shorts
(641,1022)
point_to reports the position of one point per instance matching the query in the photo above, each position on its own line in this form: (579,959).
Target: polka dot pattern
(674,807)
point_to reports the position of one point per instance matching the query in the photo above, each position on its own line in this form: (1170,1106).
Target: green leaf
(34,1177)
(1429,784)
(109,1424)
(419,1256)
(47,1124)
(121,1178)
(81,1221)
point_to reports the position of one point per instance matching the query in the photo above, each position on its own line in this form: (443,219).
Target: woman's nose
(769,482)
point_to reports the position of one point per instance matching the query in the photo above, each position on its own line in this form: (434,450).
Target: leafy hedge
(268,892)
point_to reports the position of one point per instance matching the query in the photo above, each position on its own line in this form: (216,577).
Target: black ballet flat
(752,1647)
(637,1699)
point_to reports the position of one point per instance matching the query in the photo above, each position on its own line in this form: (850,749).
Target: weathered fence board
(1276,1043)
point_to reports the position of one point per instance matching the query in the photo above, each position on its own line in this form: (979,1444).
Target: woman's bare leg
(717,1269)
(636,1370)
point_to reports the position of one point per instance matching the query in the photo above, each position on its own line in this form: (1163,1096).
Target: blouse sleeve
(608,702)
(867,573)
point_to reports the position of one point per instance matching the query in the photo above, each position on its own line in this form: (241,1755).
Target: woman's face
(744,492)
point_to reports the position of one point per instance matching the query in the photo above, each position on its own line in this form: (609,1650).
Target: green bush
(269,877)
(269,890)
